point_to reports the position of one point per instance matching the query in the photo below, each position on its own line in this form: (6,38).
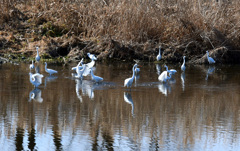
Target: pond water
(196,110)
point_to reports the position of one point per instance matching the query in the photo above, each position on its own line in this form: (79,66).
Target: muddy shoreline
(73,49)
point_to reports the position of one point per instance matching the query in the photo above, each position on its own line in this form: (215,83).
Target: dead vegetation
(120,29)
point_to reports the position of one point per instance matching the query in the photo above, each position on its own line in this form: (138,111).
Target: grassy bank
(139,26)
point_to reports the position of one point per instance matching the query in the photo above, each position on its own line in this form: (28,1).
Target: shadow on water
(19,138)
(50,78)
(32,139)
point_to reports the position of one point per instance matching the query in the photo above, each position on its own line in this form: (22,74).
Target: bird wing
(37,77)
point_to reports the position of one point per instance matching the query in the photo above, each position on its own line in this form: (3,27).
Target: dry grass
(212,24)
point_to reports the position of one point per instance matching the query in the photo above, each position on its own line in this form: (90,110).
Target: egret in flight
(50,71)
(37,56)
(36,79)
(210,59)
(159,54)
(128,82)
(96,78)
(183,67)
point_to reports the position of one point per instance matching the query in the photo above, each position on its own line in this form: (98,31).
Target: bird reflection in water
(49,78)
(78,86)
(183,80)
(158,68)
(128,99)
(37,69)
(164,88)
(87,87)
(36,95)
(210,71)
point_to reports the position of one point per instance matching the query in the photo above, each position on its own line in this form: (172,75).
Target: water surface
(197,110)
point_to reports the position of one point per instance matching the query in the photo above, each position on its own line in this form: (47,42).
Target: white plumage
(36,79)
(172,71)
(128,82)
(37,56)
(159,54)
(183,67)
(91,56)
(210,59)
(96,78)
(50,71)
(163,76)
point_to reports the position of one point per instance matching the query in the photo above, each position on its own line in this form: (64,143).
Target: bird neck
(45,66)
(31,78)
(92,73)
(166,68)
(183,60)
(133,72)
(159,51)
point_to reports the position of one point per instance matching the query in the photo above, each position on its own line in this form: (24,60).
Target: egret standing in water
(31,65)
(96,78)
(36,79)
(50,71)
(91,56)
(172,71)
(164,76)
(37,56)
(210,59)
(80,72)
(183,67)
(159,54)
(128,82)
(137,69)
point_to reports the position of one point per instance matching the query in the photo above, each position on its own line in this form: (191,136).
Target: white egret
(210,59)
(80,63)
(89,66)
(159,54)
(96,78)
(128,82)
(91,56)
(36,79)
(163,76)
(80,72)
(31,65)
(137,69)
(50,71)
(172,71)
(183,67)
(37,56)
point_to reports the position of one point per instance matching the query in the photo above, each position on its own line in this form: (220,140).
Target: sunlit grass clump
(209,23)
